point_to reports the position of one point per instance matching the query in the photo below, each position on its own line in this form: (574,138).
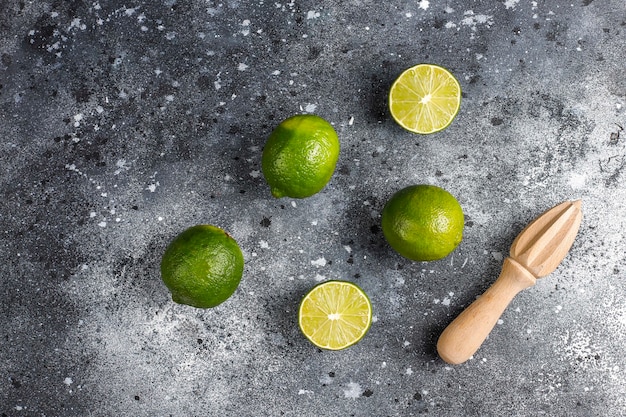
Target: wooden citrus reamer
(535,253)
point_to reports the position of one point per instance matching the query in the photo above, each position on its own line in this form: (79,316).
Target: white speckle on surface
(102,224)
(409,371)
(314,223)
(310,108)
(263,244)
(446,301)
(423,4)
(319,262)
(497,256)
(406,343)
(351,121)
(577,347)
(510,4)
(472,20)
(577,181)
(500,321)
(68,381)
(319,278)
(242,66)
(326,379)
(255,174)
(558,309)
(311,14)
(121,166)
(76,23)
(305,392)
(276,72)
(246,27)
(348,249)
(352,390)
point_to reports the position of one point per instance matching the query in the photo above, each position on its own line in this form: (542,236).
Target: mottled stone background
(124,122)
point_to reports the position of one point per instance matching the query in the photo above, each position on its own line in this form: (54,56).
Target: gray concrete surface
(124,122)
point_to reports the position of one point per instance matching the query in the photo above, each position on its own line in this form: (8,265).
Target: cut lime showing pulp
(335,315)
(425,98)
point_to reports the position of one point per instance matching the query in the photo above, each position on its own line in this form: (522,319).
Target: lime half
(425,98)
(335,315)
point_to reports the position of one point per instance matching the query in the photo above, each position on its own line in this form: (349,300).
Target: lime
(425,98)
(423,222)
(300,155)
(335,315)
(202,266)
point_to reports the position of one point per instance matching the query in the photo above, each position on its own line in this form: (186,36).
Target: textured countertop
(124,122)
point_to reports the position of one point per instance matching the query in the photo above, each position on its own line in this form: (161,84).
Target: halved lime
(425,98)
(335,315)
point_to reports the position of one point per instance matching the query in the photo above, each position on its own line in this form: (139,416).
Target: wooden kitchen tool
(535,253)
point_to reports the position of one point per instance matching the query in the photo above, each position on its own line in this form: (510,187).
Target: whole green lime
(300,156)
(423,222)
(202,266)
